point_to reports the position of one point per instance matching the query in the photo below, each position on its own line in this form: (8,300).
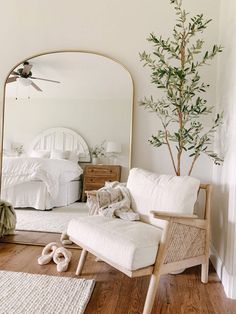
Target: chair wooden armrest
(189,220)
(169,215)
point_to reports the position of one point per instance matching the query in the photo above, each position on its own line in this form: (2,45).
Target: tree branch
(182,59)
(170,150)
(193,163)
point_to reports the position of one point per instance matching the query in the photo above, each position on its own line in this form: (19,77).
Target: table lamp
(113,149)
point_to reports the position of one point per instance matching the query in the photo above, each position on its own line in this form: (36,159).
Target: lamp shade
(113,147)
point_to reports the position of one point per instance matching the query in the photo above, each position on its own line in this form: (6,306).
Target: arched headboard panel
(61,139)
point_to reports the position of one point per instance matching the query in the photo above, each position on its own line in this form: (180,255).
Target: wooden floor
(116,293)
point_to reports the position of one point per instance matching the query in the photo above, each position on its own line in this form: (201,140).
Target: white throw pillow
(72,155)
(151,191)
(58,154)
(40,154)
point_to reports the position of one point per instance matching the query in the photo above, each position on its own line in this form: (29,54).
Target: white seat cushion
(130,244)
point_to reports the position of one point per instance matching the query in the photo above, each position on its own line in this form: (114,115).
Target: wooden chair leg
(81,262)
(151,294)
(204,272)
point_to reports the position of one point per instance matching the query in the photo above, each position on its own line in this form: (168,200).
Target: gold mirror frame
(61,51)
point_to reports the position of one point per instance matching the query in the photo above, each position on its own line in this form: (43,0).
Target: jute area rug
(22,293)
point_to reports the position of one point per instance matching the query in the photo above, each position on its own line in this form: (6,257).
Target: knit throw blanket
(113,200)
(7,218)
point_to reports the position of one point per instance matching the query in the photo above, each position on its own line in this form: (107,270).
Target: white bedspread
(17,170)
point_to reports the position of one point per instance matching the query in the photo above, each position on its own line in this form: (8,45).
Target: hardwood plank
(115,293)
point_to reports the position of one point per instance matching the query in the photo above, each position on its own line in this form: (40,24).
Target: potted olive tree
(175,65)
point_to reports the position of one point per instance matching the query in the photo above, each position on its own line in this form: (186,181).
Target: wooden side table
(96,175)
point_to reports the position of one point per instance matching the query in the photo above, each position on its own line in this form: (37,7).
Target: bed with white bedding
(52,177)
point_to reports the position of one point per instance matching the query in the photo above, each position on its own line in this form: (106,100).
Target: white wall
(82,116)
(96,120)
(224,201)
(117,29)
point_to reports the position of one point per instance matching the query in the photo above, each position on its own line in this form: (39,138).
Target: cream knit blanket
(113,200)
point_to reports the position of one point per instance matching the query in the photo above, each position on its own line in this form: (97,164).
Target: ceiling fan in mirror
(24,76)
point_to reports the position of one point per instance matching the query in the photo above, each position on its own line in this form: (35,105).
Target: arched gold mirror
(58,105)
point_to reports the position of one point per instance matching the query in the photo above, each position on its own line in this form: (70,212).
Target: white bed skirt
(34,194)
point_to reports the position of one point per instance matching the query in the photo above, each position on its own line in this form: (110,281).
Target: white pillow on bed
(40,154)
(68,154)
(58,154)
(73,156)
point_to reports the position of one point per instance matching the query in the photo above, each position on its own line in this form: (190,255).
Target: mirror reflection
(67,129)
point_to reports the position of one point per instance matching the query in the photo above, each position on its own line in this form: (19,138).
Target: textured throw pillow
(58,154)
(40,154)
(73,156)
(151,191)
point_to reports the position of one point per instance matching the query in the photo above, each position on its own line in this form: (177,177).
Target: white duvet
(52,172)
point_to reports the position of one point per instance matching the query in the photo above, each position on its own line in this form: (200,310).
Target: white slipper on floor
(65,239)
(62,258)
(47,253)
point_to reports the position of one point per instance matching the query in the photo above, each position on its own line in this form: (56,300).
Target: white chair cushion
(150,191)
(130,244)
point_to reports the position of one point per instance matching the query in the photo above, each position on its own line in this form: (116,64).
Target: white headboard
(61,139)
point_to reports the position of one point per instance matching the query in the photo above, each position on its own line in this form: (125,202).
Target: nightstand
(96,175)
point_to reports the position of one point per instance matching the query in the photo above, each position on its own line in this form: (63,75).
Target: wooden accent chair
(162,242)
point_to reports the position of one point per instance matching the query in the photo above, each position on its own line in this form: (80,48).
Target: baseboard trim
(228,281)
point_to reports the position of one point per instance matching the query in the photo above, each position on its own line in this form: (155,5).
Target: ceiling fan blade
(36,87)
(42,79)
(27,68)
(12,79)
(14,73)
